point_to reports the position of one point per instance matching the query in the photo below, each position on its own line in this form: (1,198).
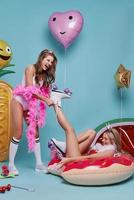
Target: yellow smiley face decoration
(5,54)
(122,77)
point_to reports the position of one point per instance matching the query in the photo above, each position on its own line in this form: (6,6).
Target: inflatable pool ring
(102,171)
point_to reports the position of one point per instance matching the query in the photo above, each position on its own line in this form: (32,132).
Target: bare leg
(17,118)
(40,167)
(85,139)
(72,147)
(82,136)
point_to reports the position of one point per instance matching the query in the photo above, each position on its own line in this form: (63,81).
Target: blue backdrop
(105,41)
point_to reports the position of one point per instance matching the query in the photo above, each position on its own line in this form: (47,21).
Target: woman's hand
(65,161)
(49,102)
(35,96)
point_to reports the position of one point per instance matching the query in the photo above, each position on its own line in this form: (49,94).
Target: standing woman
(36,86)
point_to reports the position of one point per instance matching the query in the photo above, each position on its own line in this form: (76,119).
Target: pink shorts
(22,101)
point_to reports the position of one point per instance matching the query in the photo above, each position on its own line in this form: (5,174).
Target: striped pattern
(15,141)
(37,140)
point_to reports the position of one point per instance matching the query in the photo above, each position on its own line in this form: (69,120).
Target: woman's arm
(29,74)
(104,154)
(47,100)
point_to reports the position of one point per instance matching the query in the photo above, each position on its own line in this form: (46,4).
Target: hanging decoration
(122,77)
(66,26)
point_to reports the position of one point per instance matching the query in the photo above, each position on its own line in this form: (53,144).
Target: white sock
(13,150)
(37,152)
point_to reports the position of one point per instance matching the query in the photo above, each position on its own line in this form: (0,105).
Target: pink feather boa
(36,113)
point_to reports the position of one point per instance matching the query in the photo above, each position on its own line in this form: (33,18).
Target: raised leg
(85,139)
(72,147)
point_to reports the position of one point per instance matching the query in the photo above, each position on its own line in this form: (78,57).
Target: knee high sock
(13,150)
(37,152)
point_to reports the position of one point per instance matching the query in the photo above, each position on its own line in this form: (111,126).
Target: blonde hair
(115,137)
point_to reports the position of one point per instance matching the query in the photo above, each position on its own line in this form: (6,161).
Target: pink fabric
(36,114)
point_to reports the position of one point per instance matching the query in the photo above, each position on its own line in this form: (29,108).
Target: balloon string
(121,108)
(65,69)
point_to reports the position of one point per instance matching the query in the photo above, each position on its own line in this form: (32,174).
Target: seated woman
(79,148)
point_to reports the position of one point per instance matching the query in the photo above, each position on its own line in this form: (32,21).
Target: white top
(24,81)
(34,82)
(100,148)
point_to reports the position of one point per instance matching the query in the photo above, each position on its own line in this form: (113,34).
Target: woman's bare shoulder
(30,69)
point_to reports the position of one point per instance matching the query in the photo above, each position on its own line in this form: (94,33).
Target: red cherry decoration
(5,188)
(4,167)
(2,189)
(8,187)
(5,170)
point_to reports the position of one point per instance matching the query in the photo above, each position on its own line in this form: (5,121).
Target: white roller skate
(57,95)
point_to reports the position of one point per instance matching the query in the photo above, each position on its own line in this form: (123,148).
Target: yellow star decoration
(122,77)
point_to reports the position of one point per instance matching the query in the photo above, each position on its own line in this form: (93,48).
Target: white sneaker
(60,153)
(57,95)
(41,168)
(13,170)
(60,144)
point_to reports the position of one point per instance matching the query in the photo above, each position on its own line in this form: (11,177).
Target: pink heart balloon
(65,27)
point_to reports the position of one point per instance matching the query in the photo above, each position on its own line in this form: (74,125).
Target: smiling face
(47,62)
(66,26)
(5,54)
(106,139)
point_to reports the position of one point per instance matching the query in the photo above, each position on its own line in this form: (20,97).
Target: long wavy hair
(115,138)
(48,76)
